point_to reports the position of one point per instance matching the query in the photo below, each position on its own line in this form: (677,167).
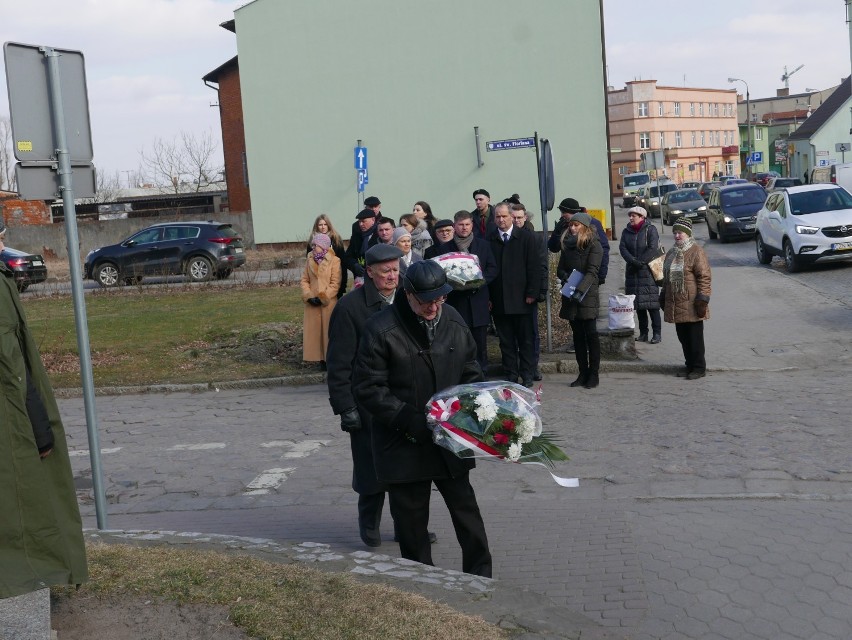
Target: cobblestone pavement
(717,508)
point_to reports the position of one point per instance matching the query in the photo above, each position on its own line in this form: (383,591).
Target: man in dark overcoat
(363,237)
(472,304)
(483,213)
(345,329)
(513,294)
(411,350)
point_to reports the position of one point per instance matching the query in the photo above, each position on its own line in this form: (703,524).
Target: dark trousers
(656,325)
(480,336)
(691,337)
(536,334)
(587,344)
(370,515)
(409,503)
(517,349)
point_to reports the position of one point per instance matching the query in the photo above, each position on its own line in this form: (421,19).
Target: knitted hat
(321,240)
(399,233)
(639,211)
(570,205)
(683,224)
(583,218)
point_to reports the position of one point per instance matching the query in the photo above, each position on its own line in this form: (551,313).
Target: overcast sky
(145,58)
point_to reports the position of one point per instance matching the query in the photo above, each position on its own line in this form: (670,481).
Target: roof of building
(213,76)
(825,111)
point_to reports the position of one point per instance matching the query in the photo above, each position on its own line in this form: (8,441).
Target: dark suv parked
(199,250)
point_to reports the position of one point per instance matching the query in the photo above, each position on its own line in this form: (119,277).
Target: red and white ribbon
(441,410)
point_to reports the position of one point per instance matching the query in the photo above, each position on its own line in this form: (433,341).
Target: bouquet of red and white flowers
(462,269)
(493,420)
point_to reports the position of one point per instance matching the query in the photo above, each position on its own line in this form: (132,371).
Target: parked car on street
(780,183)
(629,200)
(683,202)
(724,179)
(705,188)
(199,250)
(649,197)
(27,268)
(732,210)
(805,225)
(689,185)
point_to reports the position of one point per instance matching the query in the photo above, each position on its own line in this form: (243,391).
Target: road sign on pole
(361,158)
(362,180)
(515,143)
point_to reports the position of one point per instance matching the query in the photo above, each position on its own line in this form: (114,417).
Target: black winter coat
(345,328)
(395,367)
(472,305)
(588,262)
(638,248)
(519,264)
(482,225)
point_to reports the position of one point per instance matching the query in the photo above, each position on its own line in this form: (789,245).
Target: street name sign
(515,143)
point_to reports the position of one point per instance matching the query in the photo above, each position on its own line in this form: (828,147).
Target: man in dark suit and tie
(513,293)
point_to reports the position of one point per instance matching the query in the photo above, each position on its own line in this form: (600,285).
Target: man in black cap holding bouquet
(411,350)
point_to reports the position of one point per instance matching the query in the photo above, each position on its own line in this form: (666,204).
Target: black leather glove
(601,281)
(413,424)
(561,223)
(638,264)
(701,308)
(315,302)
(662,298)
(577,295)
(350,421)
(542,297)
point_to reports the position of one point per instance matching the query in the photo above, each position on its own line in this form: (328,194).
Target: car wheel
(199,269)
(713,235)
(106,275)
(722,237)
(763,254)
(791,261)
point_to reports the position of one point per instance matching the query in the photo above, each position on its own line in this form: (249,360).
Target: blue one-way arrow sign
(515,143)
(361,158)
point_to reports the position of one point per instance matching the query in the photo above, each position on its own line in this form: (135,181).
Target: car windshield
(662,189)
(684,196)
(736,197)
(636,180)
(822,200)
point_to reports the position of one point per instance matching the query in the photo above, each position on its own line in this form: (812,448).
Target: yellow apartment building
(696,128)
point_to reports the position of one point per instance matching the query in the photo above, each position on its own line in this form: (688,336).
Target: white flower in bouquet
(486,407)
(514,451)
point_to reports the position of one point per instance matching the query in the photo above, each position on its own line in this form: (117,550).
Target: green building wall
(411,80)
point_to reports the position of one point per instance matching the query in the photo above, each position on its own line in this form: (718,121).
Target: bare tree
(7,156)
(185,164)
(107,187)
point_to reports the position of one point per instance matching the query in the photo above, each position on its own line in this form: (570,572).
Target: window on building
(644,141)
(677,109)
(718,138)
(643,109)
(692,108)
(758,133)
(662,140)
(677,139)
(702,138)
(716,109)
(701,108)
(693,138)
(729,167)
(660,108)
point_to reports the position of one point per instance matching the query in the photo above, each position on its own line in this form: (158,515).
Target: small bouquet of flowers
(462,269)
(493,420)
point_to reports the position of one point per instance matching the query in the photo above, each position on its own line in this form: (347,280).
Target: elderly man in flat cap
(444,232)
(347,325)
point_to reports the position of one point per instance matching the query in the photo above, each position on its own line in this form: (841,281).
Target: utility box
(600,214)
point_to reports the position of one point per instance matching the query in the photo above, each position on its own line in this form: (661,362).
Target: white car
(805,225)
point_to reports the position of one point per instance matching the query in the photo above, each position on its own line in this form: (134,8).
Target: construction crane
(786,77)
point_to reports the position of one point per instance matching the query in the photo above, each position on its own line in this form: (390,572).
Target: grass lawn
(146,335)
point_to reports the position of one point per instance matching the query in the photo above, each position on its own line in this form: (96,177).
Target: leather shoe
(537,375)
(657,339)
(642,337)
(580,381)
(371,542)
(695,375)
(528,384)
(683,373)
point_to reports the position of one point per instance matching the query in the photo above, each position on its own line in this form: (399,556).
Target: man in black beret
(350,316)
(483,213)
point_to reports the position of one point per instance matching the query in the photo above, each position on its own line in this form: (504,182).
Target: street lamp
(749,130)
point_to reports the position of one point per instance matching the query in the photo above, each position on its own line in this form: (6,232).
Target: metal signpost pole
(67,190)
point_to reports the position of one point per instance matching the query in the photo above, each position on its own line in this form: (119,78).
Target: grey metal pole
(67,190)
(750,129)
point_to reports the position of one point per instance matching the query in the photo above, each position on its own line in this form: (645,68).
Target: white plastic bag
(621,311)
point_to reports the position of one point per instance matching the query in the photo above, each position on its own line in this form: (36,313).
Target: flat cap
(365,213)
(382,252)
(443,223)
(372,201)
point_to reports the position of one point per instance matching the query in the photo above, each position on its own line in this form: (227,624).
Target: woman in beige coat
(320,281)
(685,297)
